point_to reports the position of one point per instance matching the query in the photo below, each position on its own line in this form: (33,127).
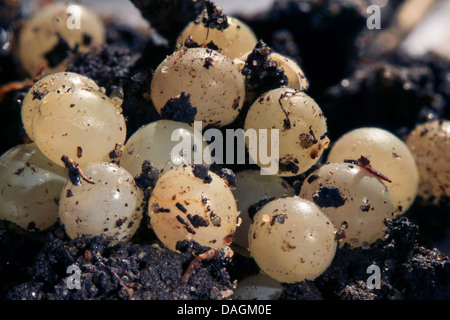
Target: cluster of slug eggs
(291,237)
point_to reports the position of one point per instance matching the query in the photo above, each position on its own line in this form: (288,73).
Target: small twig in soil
(196,263)
(130,291)
(19,85)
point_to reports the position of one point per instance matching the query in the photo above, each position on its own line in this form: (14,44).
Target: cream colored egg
(83,124)
(352,198)
(430,146)
(112,205)
(296,77)
(297,121)
(292,239)
(64,82)
(388,155)
(187,206)
(293,72)
(258,287)
(52,33)
(214,83)
(251,188)
(233,41)
(157,142)
(30,185)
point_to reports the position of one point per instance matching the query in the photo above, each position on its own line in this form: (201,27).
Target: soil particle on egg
(328,197)
(202,172)
(229,176)
(261,72)
(179,109)
(181,207)
(148,177)
(213,17)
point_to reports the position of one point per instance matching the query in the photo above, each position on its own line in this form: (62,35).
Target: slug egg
(48,37)
(83,124)
(251,188)
(353,198)
(301,128)
(430,146)
(388,155)
(234,41)
(192,203)
(258,287)
(214,83)
(111,205)
(30,185)
(61,81)
(154,142)
(292,240)
(296,76)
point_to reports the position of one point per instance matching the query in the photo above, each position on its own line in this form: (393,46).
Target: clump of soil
(122,271)
(408,270)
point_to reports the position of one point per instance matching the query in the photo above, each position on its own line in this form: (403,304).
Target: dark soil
(122,271)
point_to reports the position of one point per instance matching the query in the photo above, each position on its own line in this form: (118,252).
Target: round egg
(30,185)
(252,188)
(112,204)
(55,31)
(296,77)
(64,82)
(293,72)
(157,142)
(258,287)
(233,41)
(292,240)
(430,146)
(354,199)
(192,203)
(83,124)
(296,121)
(214,83)
(388,155)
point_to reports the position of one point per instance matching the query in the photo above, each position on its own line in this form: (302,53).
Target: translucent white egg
(301,127)
(352,197)
(185,205)
(296,77)
(233,41)
(64,82)
(388,155)
(292,239)
(430,146)
(153,142)
(214,83)
(53,32)
(293,72)
(251,188)
(30,185)
(83,124)
(258,287)
(112,205)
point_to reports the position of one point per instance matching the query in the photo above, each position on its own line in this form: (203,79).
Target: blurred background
(429,19)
